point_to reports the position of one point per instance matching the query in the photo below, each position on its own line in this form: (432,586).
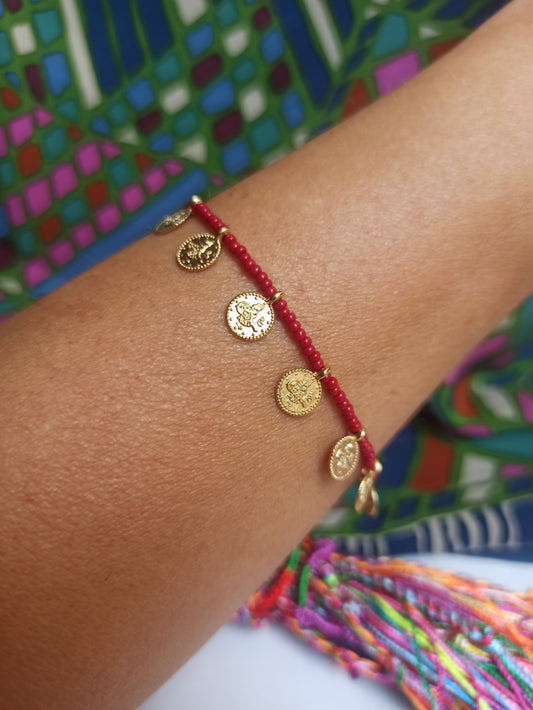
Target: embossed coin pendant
(344,458)
(299,391)
(250,316)
(172,221)
(198,252)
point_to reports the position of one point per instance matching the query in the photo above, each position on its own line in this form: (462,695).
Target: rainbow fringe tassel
(446,641)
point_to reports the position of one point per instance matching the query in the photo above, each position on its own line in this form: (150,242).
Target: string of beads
(251,316)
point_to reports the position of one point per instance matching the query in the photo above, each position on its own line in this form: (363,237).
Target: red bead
(233,247)
(318,364)
(300,335)
(331,382)
(366,449)
(262,277)
(241,249)
(246,259)
(270,291)
(267,283)
(369,460)
(229,240)
(334,391)
(254,269)
(294,326)
(280,305)
(340,396)
(290,317)
(309,350)
(283,313)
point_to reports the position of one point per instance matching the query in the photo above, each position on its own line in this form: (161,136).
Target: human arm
(149,482)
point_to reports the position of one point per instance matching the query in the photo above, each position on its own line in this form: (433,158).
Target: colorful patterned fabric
(113,113)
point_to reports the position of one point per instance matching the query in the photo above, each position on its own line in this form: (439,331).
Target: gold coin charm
(344,458)
(172,221)
(198,252)
(299,392)
(250,316)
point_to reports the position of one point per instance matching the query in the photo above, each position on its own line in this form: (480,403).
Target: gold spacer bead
(324,372)
(221,233)
(374,472)
(275,297)
(196,200)
(361,435)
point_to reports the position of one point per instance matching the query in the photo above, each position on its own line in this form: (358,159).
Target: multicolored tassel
(445,640)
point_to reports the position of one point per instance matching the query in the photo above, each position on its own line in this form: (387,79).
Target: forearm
(149,482)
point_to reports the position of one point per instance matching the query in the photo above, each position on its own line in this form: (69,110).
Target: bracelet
(251,316)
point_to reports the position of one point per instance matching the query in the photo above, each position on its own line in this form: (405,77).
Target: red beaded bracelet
(251,316)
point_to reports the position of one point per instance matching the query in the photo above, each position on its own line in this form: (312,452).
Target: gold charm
(344,457)
(250,316)
(367,499)
(370,506)
(198,252)
(299,391)
(172,221)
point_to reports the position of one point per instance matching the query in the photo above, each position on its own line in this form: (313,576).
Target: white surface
(267,668)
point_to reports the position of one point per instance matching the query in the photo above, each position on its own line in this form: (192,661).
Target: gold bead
(324,372)
(196,200)
(275,297)
(374,472)
(221,233)
(361,435)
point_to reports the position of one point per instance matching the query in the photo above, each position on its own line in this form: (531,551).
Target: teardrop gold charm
(172,221)
(367,499)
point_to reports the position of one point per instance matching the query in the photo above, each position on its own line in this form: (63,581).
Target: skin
(149,482)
